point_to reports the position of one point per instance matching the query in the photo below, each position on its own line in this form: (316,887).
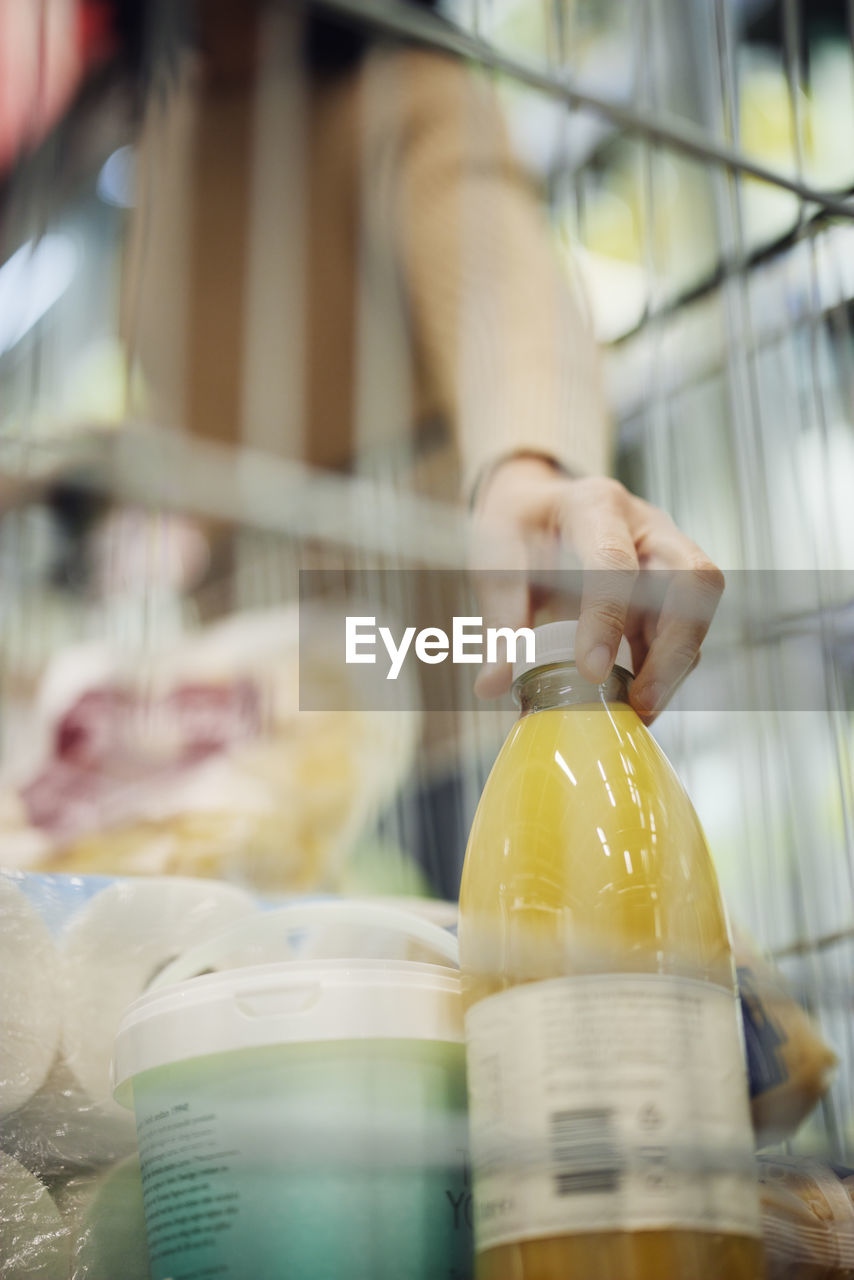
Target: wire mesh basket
(728,365)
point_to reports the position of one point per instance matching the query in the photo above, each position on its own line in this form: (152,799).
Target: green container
(302,1119)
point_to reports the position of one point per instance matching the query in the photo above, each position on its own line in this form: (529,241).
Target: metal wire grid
(785,885)
(793,884)
(794,879)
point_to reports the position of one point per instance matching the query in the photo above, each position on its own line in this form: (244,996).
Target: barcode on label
(585,1152)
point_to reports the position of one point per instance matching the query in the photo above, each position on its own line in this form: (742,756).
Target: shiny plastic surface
(586,856)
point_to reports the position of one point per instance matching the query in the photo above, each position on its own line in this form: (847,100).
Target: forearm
(501,334)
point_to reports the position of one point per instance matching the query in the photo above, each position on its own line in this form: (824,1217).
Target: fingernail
(649,699)
(599,662)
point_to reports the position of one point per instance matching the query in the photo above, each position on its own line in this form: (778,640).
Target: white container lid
(554,642)
(294,1002)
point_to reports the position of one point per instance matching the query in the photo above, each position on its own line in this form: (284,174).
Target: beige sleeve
(502,344)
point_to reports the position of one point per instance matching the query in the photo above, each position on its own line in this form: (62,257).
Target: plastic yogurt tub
(303,1118)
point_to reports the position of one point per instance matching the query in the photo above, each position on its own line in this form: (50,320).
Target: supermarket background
(695,160)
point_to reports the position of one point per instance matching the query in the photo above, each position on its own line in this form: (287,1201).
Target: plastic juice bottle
(608,1099)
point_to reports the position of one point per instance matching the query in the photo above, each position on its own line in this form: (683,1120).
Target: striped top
(352,271)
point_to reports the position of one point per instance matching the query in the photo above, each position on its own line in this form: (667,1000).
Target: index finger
(686,614)
(599,529)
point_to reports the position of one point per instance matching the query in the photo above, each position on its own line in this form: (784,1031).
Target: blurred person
(334,255)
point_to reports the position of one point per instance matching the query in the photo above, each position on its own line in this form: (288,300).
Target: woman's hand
(528,502)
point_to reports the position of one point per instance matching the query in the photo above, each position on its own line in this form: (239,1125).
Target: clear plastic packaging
(76,952)
(607,1087)
(807,1219)
(197,761)
(34,1243)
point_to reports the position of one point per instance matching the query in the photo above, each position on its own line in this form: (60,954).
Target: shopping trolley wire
(394,18)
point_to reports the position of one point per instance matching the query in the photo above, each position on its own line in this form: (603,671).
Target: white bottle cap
(554,642)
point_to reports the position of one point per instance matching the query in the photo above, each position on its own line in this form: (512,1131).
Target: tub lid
(202,1004)
(295,1002)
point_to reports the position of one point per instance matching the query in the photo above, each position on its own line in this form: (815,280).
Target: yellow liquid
(586,856)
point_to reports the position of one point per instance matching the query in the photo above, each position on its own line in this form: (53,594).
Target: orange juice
(608,1097)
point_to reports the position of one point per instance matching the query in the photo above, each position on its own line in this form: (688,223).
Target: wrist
(525,464)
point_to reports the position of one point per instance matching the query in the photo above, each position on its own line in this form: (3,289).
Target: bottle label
(609,1102)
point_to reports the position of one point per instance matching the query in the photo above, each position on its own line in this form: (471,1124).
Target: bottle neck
(562,686)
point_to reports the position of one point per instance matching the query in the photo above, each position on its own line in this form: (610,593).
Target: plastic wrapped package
(790,1064)
(807,1219)
(316,929)
(79,952)
(34,1242)
(362,936)
(30,1007)
(197,761)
